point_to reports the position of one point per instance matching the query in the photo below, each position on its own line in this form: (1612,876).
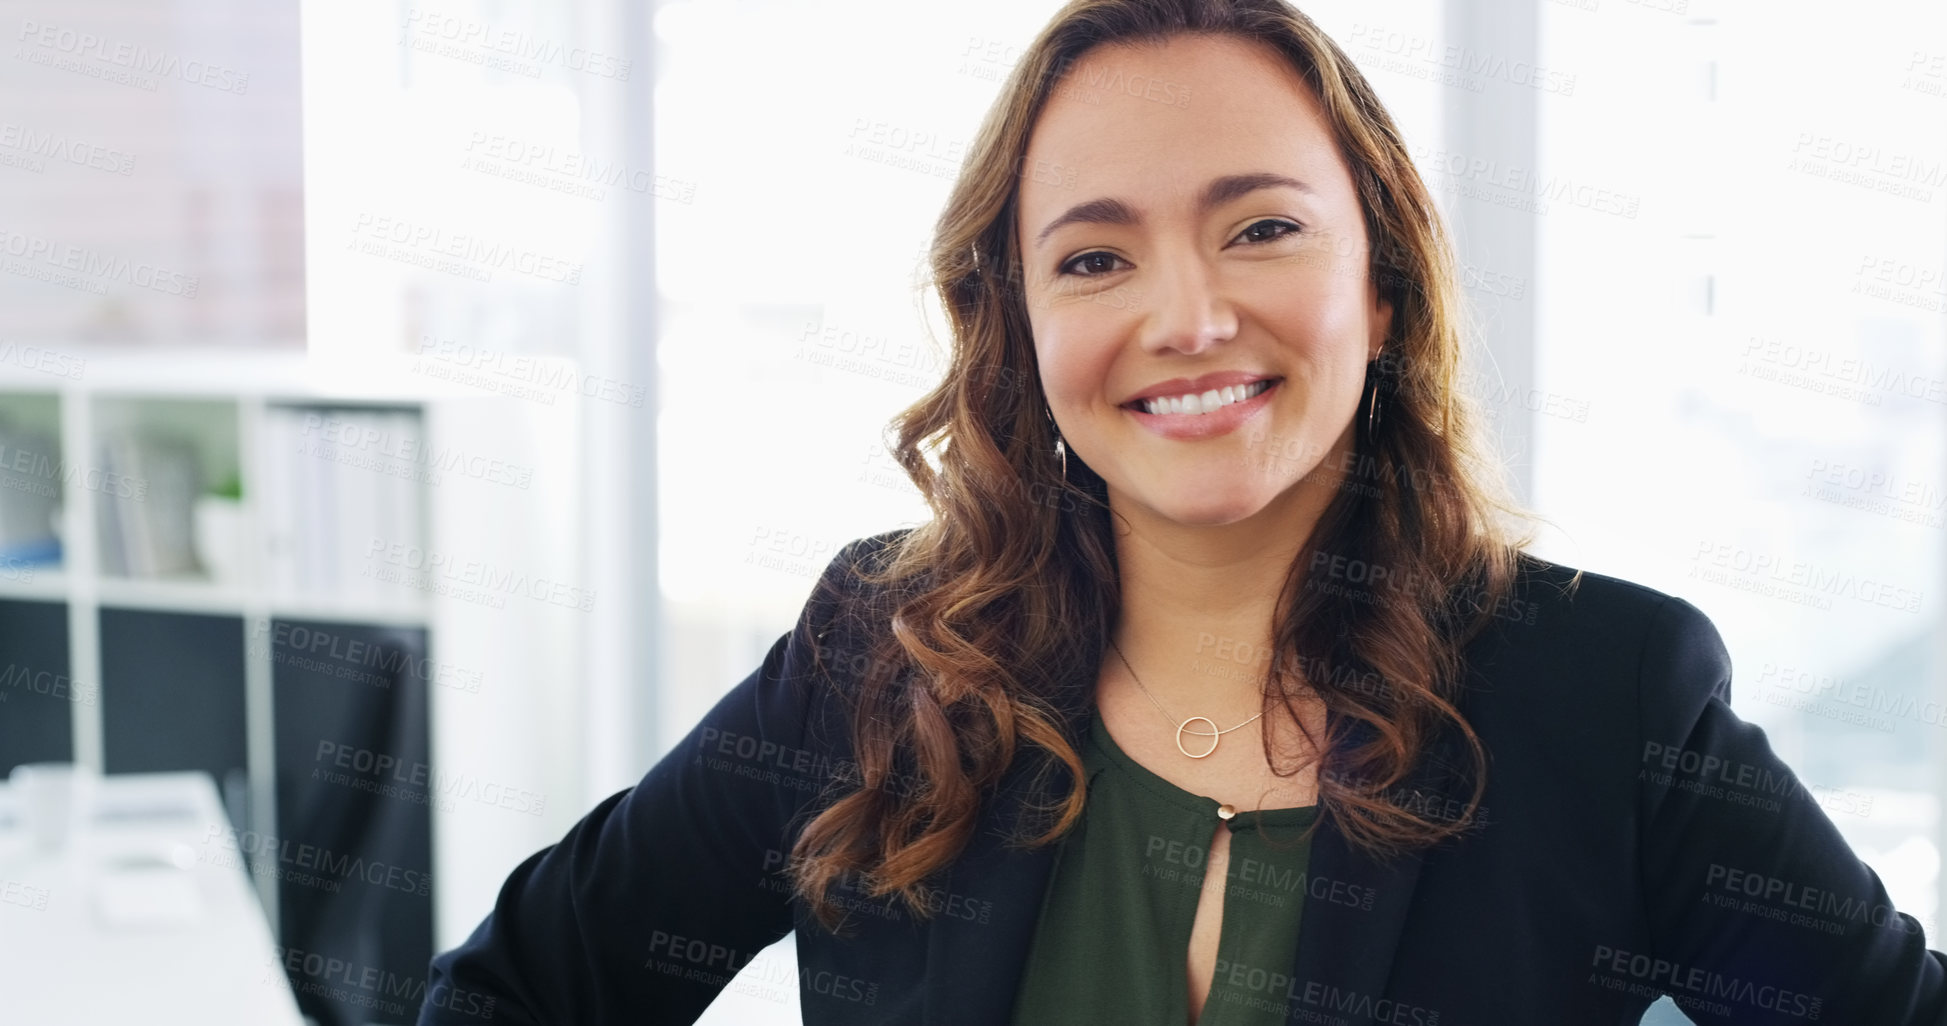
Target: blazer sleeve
(1759,911)
(660,894)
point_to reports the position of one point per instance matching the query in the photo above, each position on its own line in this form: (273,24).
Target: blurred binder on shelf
(343,504)
(278,501)
(30,496)
(147,487)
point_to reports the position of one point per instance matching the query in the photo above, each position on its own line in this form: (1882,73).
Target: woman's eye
(1076,267)
(1070,266)
(1273,222)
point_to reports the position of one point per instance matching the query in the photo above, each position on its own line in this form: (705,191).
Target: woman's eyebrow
(1221,190)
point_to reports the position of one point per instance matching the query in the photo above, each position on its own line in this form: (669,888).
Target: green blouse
(1114,932)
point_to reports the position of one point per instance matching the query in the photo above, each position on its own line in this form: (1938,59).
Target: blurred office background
(412,419)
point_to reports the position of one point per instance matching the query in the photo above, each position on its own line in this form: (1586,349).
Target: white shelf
(274,375)
(340,611)
(176,595)
(195,596)
(525,653)
(177,395)
(191,595)
(48,585)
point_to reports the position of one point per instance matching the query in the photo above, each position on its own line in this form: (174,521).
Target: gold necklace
(1216,736)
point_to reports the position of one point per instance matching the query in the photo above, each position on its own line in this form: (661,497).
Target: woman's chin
(1208,508)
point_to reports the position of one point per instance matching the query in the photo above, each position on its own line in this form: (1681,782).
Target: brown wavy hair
(999,606)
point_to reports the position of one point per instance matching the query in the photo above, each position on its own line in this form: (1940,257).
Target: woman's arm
(1760,911)
(655,899)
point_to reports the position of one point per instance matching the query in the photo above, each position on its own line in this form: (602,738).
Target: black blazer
(1639,839)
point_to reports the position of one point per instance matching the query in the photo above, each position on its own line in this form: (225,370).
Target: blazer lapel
(1345,952)
(974,965)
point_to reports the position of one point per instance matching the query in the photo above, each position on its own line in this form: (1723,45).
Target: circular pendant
(1212,734)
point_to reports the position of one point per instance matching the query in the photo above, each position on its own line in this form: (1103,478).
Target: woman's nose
(1183,306)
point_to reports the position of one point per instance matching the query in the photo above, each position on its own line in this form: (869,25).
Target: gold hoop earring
(1061,447)
(1372,405)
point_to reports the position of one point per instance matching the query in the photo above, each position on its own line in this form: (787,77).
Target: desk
(146,916)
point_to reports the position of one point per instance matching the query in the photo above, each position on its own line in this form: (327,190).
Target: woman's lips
(1192,426)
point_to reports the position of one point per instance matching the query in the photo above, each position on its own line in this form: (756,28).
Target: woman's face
(1163,255)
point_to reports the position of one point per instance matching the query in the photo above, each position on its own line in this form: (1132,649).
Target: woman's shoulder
(852,575)
(846,618)
(1562,618)
(1583,599)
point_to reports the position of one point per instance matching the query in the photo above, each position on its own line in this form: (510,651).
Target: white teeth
(1215,399)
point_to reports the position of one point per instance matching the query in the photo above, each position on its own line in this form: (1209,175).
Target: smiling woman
(1201,472)
(1195,250)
